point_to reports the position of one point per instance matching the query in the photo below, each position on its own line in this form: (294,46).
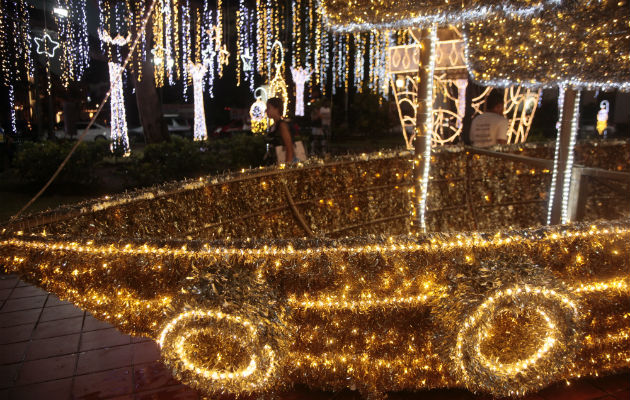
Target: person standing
(491,127)
(280,129)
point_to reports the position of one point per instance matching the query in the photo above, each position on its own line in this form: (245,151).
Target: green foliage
(368,115)
(182,158)
(35,162)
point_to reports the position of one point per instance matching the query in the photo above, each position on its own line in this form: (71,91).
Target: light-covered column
(424,127)
(120,140)
(198,71)
(569,102)
(300,77)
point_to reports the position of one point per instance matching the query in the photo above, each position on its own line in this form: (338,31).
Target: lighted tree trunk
(198,71)
(423,128)
(563,159)
(120,140)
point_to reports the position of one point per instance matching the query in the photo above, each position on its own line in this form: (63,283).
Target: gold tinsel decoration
(355,15)
(213,270)
(583,43)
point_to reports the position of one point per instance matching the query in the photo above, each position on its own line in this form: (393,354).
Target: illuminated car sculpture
(213,270)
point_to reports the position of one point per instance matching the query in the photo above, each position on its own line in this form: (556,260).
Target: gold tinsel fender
(506,294)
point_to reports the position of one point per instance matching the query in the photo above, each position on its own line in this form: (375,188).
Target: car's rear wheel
(100,137)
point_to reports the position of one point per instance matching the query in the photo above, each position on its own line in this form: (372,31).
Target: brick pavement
(51,350)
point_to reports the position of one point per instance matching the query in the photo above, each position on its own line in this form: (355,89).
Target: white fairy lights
(245,47)
(300,77)
(197,71)
(70,17)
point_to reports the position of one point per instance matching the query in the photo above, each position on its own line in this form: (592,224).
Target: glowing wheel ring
(470,336)
(177,332)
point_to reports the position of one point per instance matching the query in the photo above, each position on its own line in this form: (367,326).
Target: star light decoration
(46,45)
(300,77)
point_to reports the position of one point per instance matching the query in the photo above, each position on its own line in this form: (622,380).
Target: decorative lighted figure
(46,45)
(247,60)
(277,86)
(118,40)
(461,85)
(158,55)
(300,77)
(258,112)
(197,71)
(120,140)
(602,116)
(224,59)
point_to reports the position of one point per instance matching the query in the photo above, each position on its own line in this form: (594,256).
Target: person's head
(275,108)
(494,103)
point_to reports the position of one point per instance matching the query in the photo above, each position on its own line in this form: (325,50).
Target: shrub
(35,162)
(181,158)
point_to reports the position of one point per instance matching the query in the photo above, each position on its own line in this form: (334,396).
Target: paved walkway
(51,350)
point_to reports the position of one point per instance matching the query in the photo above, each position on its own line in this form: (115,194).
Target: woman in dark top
(280,128)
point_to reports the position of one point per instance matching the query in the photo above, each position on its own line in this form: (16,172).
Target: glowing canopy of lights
(587,45)
(300,77)
(500,311)
(16,63)
(120,140)
(46,45)
(71,21)
(197,71)
(364,15)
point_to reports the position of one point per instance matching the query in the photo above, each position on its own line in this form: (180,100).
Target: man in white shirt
(491,127)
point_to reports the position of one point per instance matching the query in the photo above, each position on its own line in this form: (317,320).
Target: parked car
(234,126)
(96,132)
(175,124)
